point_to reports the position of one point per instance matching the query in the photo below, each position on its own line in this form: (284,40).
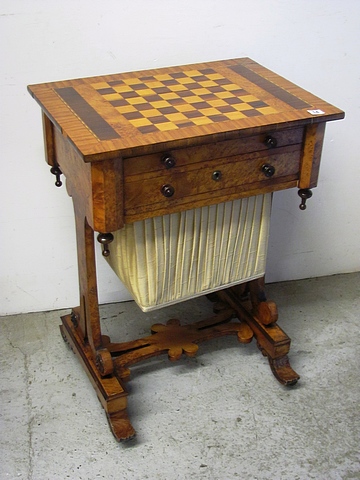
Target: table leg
(261,316)
(82,331)
(109,389)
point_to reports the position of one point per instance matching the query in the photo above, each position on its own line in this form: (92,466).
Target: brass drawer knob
(268,170)
(167,190)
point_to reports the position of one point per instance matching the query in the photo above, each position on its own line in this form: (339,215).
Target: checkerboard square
(152,112)
(167,126)
(138,86)
(136,101)
(251,113)
(161,90)
(207,71)
(258,104)
(176,117)
(126,109)
(106,91)
(148,129)
(167,110)
(122,88)
(133,115)
(157,119)
(144,106)
(130,94)
(178,75)
(234,100)
(226,108)
(192,114)
(119,103)
(141,122)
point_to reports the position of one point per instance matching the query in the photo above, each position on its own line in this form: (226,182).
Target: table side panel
(310,161)
(77,173)
(48,131)
(96,189)
(108,195)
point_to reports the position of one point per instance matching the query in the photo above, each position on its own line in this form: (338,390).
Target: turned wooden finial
(304,194)
(55,170)
(105,239)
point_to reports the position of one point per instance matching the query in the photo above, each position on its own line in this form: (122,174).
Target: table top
(139,112)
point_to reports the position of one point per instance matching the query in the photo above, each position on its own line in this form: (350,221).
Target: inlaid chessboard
(124,113)
(179,100)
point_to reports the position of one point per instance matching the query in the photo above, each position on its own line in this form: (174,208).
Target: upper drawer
(150,165)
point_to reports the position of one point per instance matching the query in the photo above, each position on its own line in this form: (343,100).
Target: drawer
(212,180)
(151,165)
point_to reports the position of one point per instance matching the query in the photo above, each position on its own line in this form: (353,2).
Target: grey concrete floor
(221,415)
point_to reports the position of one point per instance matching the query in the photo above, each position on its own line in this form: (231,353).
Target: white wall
(314,43)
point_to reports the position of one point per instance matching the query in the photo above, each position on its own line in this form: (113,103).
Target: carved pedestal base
(110,368)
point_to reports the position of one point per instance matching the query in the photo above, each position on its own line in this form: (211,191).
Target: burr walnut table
(145,144)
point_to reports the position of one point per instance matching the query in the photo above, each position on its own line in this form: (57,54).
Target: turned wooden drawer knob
(270,141)
(168,161)
(167,190)
(268,170)
(216,176)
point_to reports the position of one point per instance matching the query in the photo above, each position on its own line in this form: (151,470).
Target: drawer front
(151,165)
(193,184)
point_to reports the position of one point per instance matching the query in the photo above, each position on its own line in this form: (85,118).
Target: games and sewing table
(156,143)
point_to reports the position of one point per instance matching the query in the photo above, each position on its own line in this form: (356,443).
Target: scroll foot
(282,371)
(120,426)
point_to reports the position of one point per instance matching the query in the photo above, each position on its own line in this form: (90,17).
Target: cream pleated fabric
(168,259)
